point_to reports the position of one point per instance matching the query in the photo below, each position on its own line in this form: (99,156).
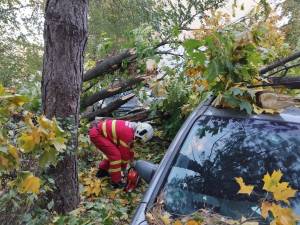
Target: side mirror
(145,169)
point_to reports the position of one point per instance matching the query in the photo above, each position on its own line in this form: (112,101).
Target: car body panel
(159,178)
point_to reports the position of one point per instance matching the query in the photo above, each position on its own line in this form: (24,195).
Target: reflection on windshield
(219,149)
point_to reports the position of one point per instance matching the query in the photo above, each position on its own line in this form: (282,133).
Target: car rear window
(217,150)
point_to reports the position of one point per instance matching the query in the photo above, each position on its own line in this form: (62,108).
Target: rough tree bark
(65,35)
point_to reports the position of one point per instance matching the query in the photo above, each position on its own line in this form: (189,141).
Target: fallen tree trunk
(289,82)
(109,108)
(108,65)
(140,116)
(114,63)
(105,93)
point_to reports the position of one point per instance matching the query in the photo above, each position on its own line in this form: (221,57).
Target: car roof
(290,114)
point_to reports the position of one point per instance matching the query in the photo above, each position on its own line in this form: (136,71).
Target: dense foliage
(224,59)
(219,56)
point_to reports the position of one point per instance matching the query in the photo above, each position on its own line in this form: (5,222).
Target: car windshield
(217,150)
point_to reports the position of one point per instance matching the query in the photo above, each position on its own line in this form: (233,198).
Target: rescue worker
(115,139)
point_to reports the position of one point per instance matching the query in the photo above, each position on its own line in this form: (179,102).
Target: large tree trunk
(65,35)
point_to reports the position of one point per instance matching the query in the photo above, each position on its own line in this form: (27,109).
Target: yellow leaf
(97,187)
(271,111)
(30,139)
(244,189)
(30,184)
(192,222)
(177,222)
(166,219)
(257,109)
(203,83)
(88,190)
(192,72)
(93,187)
(283,216)
(13,151)
(282,192)
(245,222)
(265,208)
(45,123)
(2,89)
(124,202)
(4,162)
(270,182)
(28,119)
(19,100)
(88,181)
(150,217)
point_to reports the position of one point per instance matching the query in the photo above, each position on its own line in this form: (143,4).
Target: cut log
(106,111)
(105,93)
(108,65)
(270,100)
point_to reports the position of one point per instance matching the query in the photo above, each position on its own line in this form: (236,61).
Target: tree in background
(291,9)
(110,21)
(20,50)
(65,36)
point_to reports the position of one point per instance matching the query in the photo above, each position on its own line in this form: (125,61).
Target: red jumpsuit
(114,138)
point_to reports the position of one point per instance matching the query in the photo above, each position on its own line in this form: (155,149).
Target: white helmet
(144,131)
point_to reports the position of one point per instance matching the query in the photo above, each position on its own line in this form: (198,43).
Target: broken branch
(105,93)
(108,65)
(106,111)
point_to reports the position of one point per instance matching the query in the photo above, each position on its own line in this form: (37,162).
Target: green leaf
(18,100)
(213,70)
(191,44)
(59,144)
(246,106)
(231,100)
(2,90)
(236,91)
(50,205)
(48,157)
(57,129)
(3,149)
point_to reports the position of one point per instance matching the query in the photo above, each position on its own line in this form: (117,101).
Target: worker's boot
(102,173)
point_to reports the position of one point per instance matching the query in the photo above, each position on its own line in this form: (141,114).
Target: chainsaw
(132,181)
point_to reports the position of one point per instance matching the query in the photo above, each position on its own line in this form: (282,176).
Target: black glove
(102,173)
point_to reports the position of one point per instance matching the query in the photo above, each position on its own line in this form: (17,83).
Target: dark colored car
(212,148)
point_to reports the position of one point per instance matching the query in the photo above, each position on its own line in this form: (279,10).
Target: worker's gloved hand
(102,173)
